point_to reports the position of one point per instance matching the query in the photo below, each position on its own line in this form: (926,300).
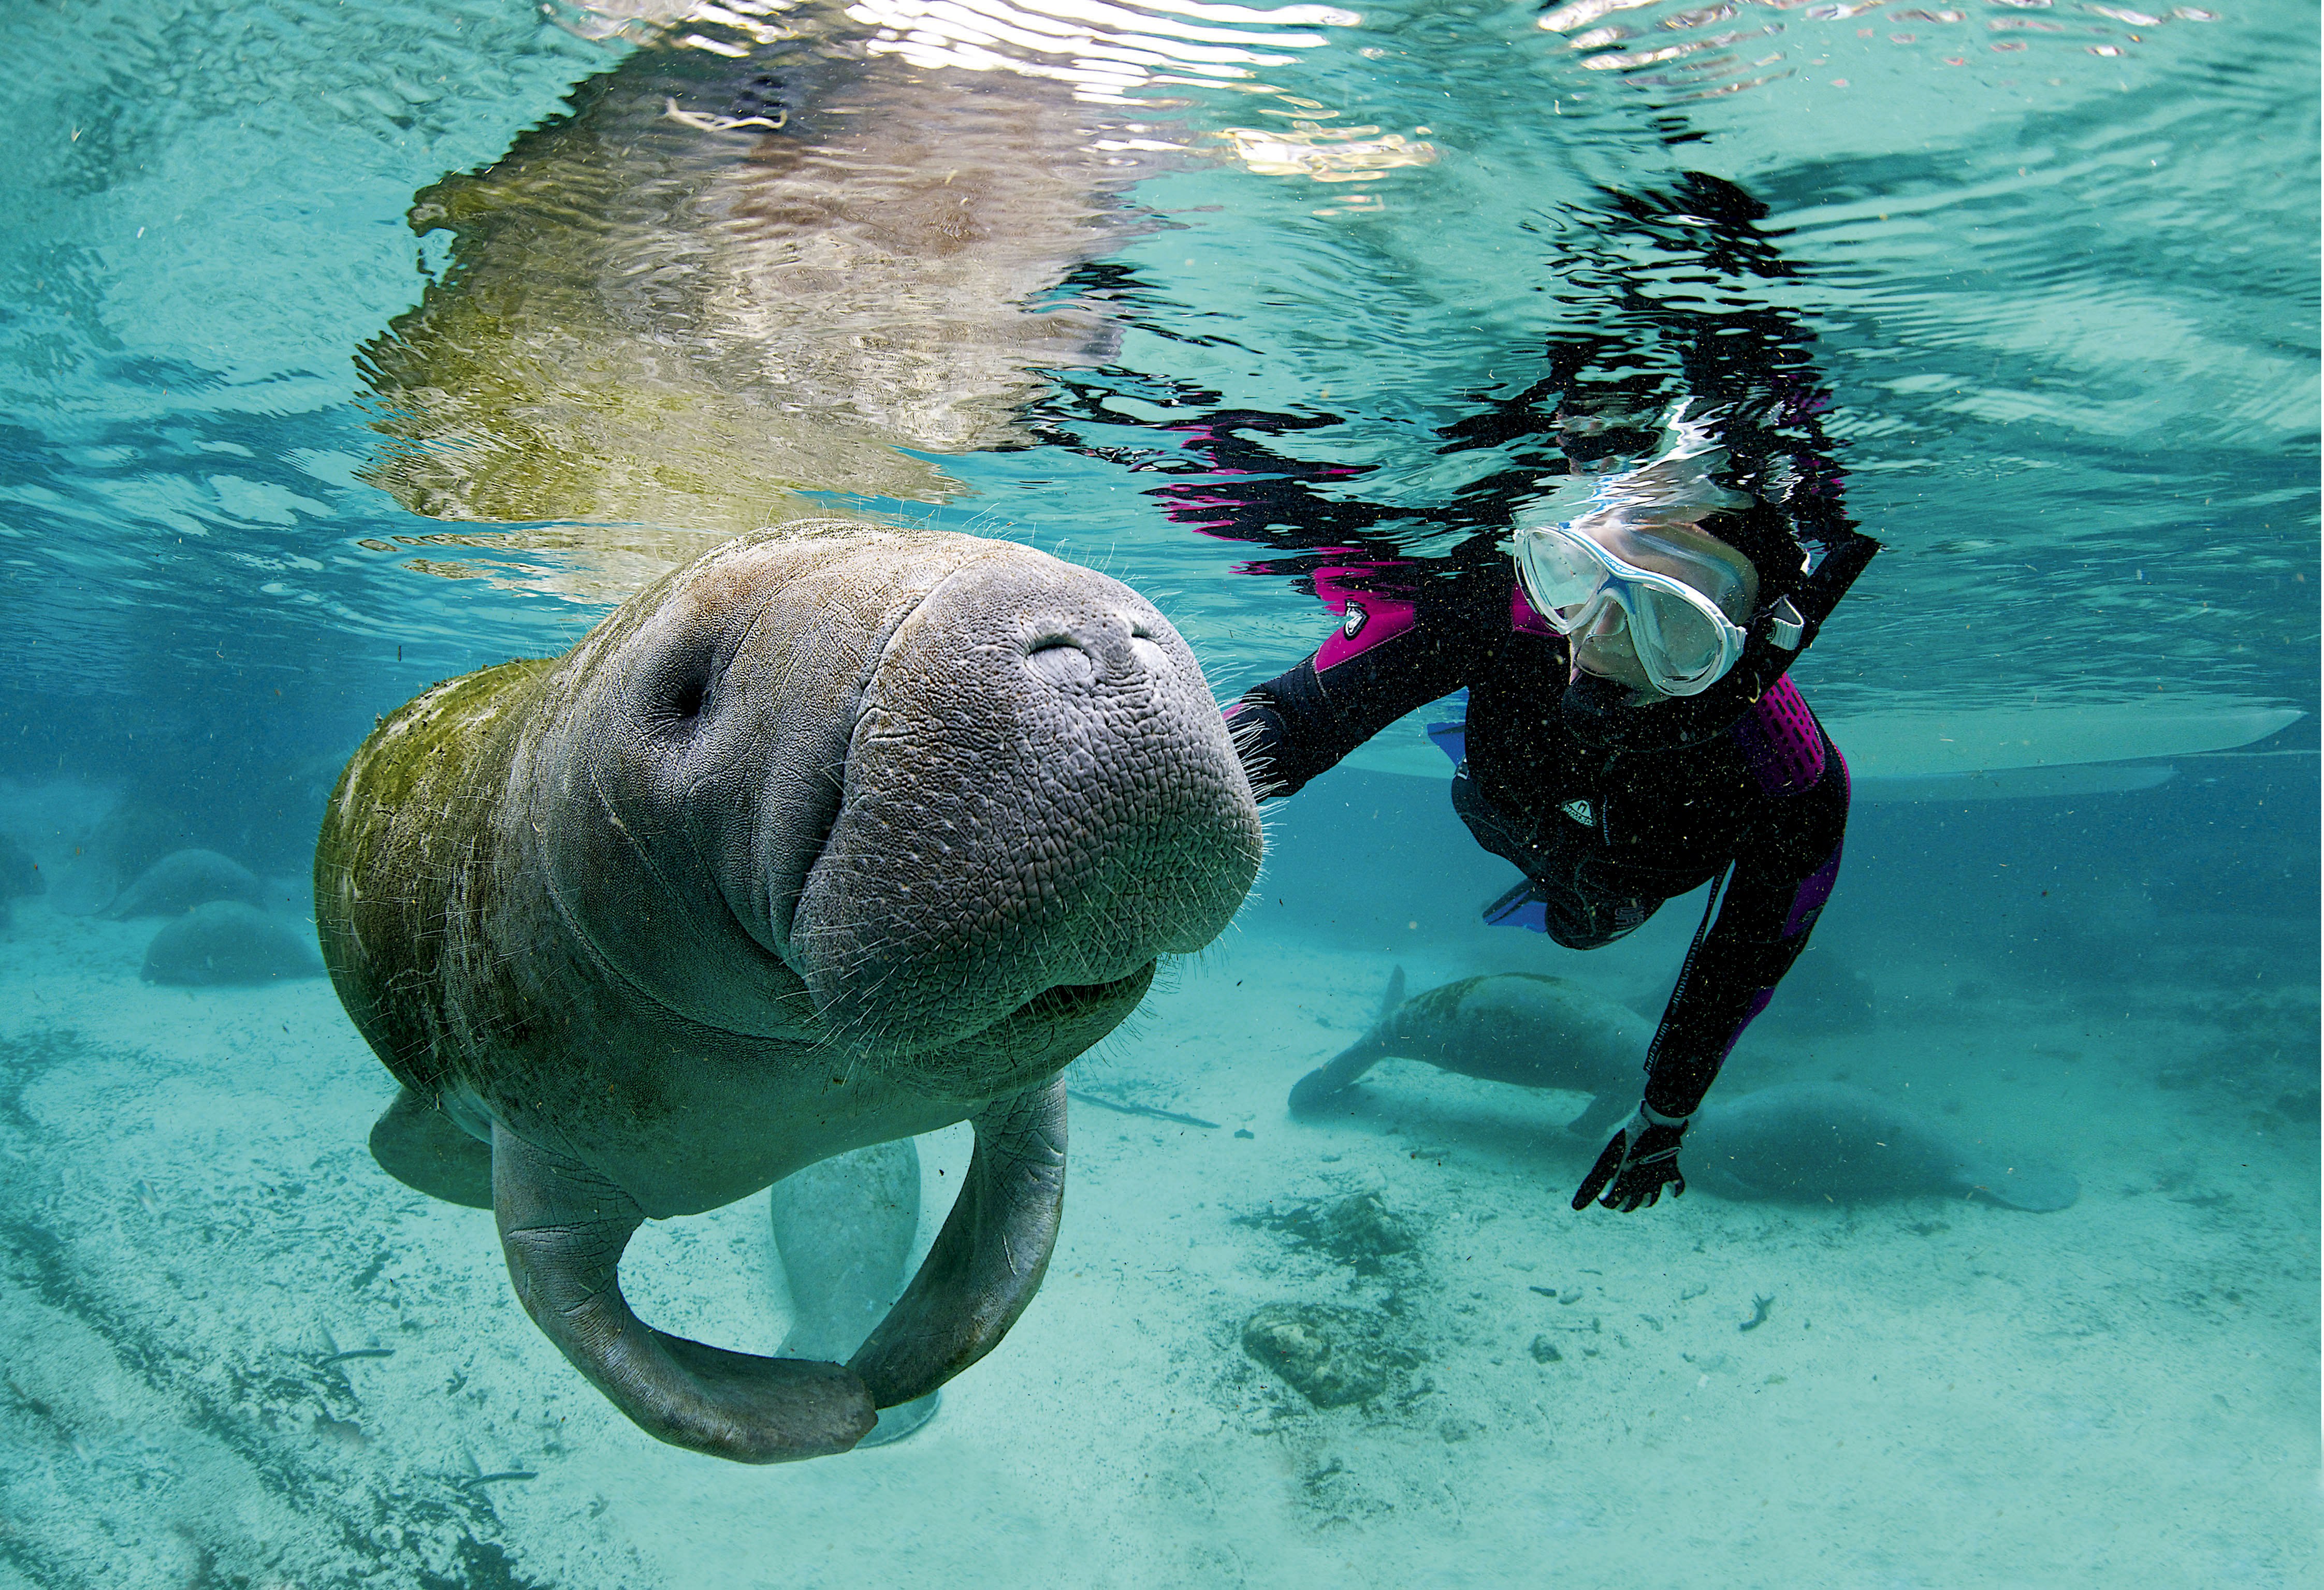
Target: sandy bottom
(238,1354)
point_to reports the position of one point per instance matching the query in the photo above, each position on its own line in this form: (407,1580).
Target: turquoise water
(280,449)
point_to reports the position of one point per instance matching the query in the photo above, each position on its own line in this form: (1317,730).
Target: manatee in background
(119,847)
(183,879)
(1522,1027)
(836,836)
(228,941)
(19,875)
(1810,1142)
(1823,996)
(719,282)
(845,1228)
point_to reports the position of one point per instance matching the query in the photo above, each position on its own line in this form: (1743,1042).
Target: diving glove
(1641,1160)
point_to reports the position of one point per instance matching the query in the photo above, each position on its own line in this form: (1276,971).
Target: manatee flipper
(989,1260)
(1605,1113)
(845,1228)
(2036,1189)
(421,1146)
(1316,1089)
(563,1227)
(1310,1091)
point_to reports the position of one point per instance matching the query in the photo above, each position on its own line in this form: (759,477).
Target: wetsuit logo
(1353,624)
(1581,812)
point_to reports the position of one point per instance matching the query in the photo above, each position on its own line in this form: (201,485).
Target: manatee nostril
(1060,659)
(677,692)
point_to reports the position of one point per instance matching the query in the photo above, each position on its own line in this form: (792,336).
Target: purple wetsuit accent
(1523,618)
(1781,741)
(1811,895)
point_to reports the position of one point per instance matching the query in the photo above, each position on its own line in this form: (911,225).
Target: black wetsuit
(1603,837)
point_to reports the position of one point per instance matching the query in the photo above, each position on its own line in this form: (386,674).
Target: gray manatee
(837,835)
(183,879)
(1522,1027)
(1811,1142)
(228,941)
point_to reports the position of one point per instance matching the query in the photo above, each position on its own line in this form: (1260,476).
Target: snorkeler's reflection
(1632,730)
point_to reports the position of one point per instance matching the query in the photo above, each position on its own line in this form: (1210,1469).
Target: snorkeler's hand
(1641,1160)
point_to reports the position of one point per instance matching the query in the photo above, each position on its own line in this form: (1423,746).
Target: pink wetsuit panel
(1780,740)
(1367,618)
(1523,618)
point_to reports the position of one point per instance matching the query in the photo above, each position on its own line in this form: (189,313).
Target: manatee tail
(1604,1112)
(1392,997)
(2039,1189)
(1312,1092)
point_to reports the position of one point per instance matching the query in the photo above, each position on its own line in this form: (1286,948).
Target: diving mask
(1581,586)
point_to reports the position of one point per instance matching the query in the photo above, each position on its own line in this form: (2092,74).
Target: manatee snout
(1039,799)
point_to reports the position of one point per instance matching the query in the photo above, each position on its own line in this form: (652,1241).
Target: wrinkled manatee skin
(227,942)
(183,879)
(1821,1141)
(1524,1028)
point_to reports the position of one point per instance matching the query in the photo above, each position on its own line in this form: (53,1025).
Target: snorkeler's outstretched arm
(1782,877)
(1392,654)
(1784,874)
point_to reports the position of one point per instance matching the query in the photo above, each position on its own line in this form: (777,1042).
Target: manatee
(836,835)
(1810,1142)
(228,941)
(19,875)
(1522,1027)
(130,836)
(183,879)
(845,1229)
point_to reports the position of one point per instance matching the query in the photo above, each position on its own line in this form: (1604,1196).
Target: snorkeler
(1632,731)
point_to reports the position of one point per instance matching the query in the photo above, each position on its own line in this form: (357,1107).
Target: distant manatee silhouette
(183,879)
(228,941)
(19,875)
(1520,1027)
(1810,1142)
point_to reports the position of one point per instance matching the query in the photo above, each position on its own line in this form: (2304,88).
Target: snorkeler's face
(1681,552)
